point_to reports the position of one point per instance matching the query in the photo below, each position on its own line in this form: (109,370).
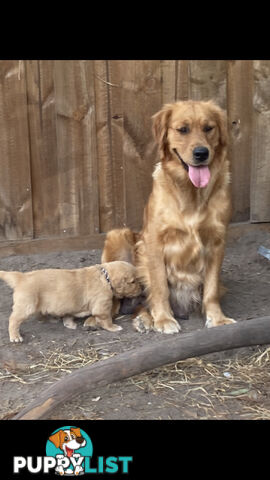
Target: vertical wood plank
(15,181)
(182,80)
(142,97)
(115,74)
(207,80)
(240,114)
(43,147)
(106,197)
(168,72)
(260,171)
(76,147)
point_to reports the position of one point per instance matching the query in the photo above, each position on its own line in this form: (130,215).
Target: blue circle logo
(69,445)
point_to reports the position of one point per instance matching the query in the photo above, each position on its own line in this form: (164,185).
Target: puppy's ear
(77,431)
(56,438)
(160,128)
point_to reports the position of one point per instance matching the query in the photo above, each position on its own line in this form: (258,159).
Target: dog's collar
(183,163)
(106,275)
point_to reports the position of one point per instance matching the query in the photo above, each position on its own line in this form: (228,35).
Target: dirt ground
(226,385)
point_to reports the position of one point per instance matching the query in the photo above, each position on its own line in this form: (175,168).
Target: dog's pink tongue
(199,176)
(69,452)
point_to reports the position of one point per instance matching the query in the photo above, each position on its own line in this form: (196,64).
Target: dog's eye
(207,128)
(66,439)
(183,130)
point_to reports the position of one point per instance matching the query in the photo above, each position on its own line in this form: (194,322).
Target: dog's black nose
(200,154)
(80,439)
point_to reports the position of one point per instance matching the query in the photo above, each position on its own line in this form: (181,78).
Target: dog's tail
(11,278)
(120,245)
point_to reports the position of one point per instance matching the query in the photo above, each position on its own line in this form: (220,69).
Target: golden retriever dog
(79,292)
(180,250)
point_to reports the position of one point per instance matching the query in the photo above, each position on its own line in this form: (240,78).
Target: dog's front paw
(212,322)
(143,323)
(167,325)
(16,338)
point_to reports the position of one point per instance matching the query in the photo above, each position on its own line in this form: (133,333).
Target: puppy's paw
(113,328)
(90,322)
(16,338)
(68,322)
(167,325)
(212,322)
(143,323)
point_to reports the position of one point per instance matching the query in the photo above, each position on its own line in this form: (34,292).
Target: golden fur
(180,249)
(78,292)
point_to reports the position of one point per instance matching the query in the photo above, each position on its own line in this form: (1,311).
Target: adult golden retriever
(180,250)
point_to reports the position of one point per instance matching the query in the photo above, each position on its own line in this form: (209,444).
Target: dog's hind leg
(15,321)
(24,305)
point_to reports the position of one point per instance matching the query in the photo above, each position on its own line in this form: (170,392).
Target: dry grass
(236,387)
(54,363)
(233,388)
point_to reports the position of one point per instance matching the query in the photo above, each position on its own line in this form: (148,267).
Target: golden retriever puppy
(78,292)
(180,250)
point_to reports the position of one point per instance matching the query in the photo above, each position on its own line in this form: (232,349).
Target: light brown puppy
(78,292)
(181,245)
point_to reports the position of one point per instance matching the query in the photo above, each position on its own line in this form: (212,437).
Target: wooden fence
(76,147)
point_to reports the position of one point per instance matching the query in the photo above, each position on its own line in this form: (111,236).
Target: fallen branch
(169,350)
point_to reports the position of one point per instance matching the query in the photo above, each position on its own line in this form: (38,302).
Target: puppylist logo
(69,452)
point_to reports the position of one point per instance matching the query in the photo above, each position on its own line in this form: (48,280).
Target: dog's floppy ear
(160,128)
(77,431)
(223,130)
(56,438)
(221,118)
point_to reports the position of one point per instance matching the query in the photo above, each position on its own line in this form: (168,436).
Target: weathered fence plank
(240,113)
(16,220)
(207,80)
(106,197)
(168,74)
(260,171)
(43,147)
(77,151)
(142,97)
(116,119)
(182,80)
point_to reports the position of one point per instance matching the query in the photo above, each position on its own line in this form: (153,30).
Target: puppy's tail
(119,245)
(11,278)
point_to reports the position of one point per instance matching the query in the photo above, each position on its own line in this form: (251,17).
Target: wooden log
(168,350)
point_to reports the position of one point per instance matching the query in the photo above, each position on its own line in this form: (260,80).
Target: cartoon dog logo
(68,441)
